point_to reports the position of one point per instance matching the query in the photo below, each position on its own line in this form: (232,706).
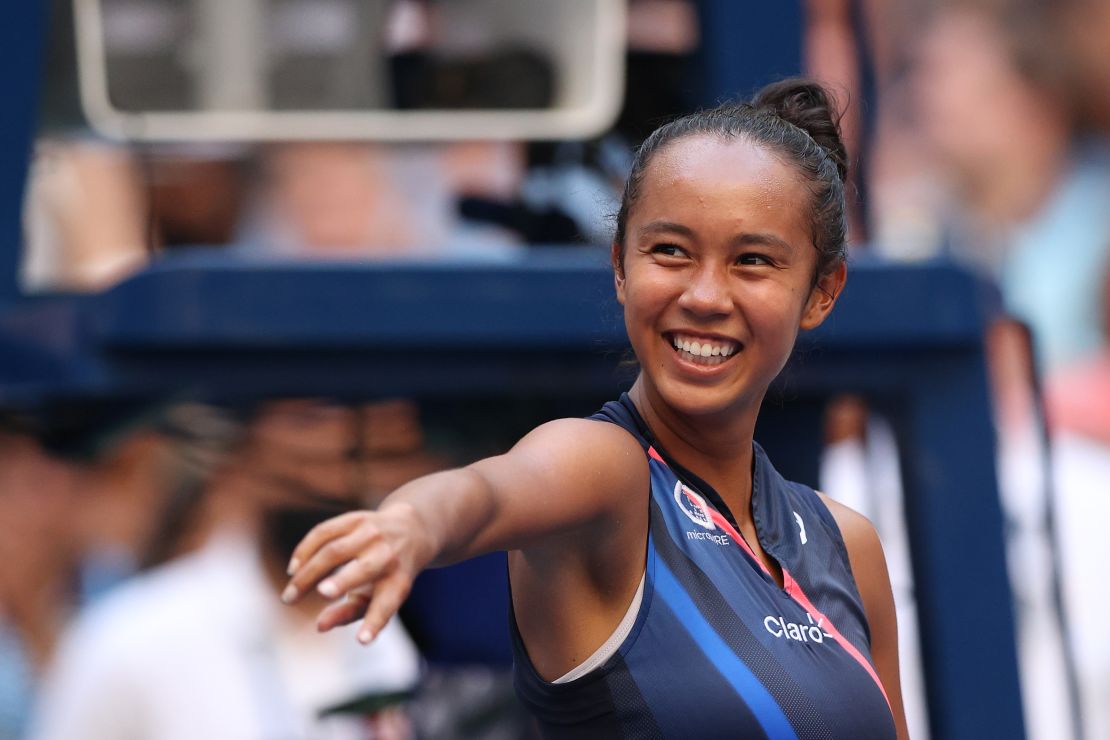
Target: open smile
(704,351)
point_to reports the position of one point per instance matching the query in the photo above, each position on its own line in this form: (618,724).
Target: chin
(697,401)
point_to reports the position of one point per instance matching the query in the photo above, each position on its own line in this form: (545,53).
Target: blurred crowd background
(140,550)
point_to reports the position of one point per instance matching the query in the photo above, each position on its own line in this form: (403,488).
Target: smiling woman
(717,257)
(666,580)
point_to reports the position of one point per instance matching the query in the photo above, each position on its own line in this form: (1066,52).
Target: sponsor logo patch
(798,632)
(693,506)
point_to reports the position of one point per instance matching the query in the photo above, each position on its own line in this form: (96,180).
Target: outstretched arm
(564,476)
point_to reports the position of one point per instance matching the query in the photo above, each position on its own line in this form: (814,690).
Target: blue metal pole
(955,522)
(745,45)
(22,46)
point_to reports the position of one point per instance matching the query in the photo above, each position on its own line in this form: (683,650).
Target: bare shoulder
(587,449)
(865,554)
(858,532)
(594,462)
(865,550)
(584,435)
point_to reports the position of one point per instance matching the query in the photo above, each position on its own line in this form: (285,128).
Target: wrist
(420,533)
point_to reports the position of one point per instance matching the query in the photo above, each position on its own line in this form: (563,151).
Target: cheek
(777,311)
(645,293)
(778,298)
(641,309)
(645,305)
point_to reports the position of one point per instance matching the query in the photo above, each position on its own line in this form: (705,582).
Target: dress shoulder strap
(623,413)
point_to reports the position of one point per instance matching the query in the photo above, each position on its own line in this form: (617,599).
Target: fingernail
(364,636)
(293,565)
(289,594)
(328,589)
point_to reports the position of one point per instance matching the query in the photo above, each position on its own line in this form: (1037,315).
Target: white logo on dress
(693,506)
(720,539)
(801,526)
(812,632)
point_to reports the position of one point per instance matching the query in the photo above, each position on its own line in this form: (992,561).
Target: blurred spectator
(861,49)
(84,216)
(37,563)
(1029,203)
(1085,29)
(364,200)
(489,55)
(985,162)
(988,165)
(833,51)
(201,647)
(575,185)
(195,193)
(71,528)
(97,212)
(495,190)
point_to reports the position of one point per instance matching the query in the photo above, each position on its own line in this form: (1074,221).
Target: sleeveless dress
(718,649)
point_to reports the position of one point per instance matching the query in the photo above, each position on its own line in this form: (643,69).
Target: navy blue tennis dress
(718,648)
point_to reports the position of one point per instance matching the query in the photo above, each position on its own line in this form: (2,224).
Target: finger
(364,570)
(389,594)
(320,535)
(326,559)
(349,610)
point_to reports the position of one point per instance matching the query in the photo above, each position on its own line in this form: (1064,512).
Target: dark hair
(794,118)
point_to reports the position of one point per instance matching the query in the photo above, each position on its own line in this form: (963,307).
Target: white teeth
(704,349)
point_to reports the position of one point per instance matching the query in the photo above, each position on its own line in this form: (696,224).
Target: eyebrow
(741,240)
(666,227)
(762,239)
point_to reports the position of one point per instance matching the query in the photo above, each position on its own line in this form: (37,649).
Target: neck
(719,450)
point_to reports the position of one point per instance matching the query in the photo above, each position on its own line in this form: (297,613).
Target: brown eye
(753,259)
(668,250)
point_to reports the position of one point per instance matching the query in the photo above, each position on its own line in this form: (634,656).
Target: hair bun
(810,107)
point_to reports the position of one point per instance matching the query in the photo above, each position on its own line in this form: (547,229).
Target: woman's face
(973,104)
(717,274)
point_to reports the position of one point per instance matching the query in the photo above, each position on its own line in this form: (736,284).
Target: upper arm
(562,477)
(865,554)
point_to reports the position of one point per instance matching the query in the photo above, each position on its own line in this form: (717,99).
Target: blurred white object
(864,474)
(1081,471)
(203,648)
(84,216)
(224,58)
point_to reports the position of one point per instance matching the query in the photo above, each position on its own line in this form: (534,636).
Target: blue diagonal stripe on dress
(742,680)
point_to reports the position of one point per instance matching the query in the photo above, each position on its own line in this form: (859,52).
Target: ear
(617,261)
(823,297)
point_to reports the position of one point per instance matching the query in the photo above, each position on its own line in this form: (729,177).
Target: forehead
(725,180)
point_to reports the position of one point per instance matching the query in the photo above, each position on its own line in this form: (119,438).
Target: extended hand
(364,562)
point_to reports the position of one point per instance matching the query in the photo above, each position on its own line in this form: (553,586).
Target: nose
(707,293)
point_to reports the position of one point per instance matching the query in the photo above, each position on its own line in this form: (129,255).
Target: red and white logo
(693,506)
